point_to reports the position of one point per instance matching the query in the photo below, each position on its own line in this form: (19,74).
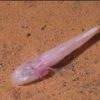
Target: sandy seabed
(28,29)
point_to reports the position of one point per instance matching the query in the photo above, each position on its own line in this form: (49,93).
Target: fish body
(39,67)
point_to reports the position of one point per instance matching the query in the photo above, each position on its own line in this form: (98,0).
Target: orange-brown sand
(28,29)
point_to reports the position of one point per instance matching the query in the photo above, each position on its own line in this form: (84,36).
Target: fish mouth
(22,77)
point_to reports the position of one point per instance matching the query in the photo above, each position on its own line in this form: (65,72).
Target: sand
(28,29)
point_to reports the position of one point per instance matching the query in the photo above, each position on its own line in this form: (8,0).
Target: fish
(37,68)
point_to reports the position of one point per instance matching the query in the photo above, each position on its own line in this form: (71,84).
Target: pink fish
(33,70)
